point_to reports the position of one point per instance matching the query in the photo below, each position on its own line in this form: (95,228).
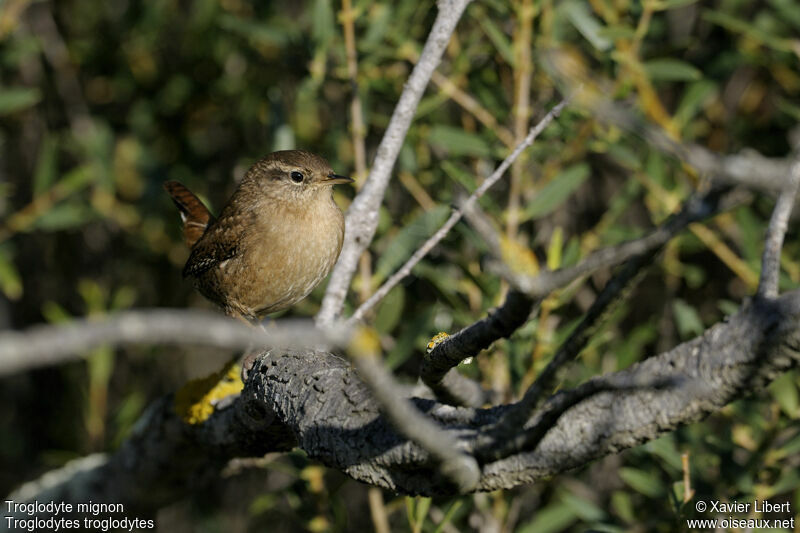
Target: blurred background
(100,102)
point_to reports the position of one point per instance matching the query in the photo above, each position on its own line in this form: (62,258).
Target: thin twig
(362,217)
(45,345)
(357,128)
(778,223)
(523,71)
(377,510)
(694,209)
(456,215)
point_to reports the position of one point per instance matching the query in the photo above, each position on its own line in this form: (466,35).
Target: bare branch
(456,215)
(53,344)
(327,411)
(773,242)
(500,323)
(748,168)
(720,199)
(362,217)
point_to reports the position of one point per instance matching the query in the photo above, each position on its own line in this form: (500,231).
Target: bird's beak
(336,179)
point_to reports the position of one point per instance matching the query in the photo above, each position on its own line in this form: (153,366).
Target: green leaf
(256,32)
(555,517)
(64,216)
(792,447)
(736,25)
(622,504)
(672,4)
(784,390)
(407,239)
(579,15)
(668,69)
(448,516)
(10,280)
(498,38)
(557,191)
(423,505)
(380,19)
(54,313)
(390,310)
(789,480)
(585,509)
(686,319)
(695,97)
(655,168)
(788,107)
(643,482)
(617,32)
(789,11)
(666,450)
(466,179)
(322,25)
(458,142)
(45,172)
(15,99)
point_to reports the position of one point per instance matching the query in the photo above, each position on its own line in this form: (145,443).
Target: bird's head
(294,176)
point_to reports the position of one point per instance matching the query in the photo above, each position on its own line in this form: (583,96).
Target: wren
(278,236)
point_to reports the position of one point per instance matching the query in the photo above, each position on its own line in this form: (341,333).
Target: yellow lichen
(436,340)
(365,342)
(519,258)
(195,401)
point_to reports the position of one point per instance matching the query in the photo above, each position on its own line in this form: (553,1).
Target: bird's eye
(297,177)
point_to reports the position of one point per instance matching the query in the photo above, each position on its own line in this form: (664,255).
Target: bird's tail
(195,215)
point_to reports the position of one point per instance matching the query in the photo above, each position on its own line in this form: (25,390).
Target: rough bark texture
(316,401)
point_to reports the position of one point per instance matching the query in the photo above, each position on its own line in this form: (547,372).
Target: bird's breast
(293,251)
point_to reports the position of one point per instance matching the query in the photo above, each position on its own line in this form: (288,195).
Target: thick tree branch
(333,416)
(456,466)
(362,217)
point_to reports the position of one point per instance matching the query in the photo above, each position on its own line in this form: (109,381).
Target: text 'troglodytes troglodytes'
(278,237)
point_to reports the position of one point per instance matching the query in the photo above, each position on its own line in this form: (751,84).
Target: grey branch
(773,243)
(456,215)
(500,323)
(53,344)
(316,401)
(362,217)
(748,168)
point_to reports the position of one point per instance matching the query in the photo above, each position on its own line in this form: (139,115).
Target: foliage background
(100,102)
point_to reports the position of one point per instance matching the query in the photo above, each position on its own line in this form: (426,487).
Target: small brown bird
(278,237)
